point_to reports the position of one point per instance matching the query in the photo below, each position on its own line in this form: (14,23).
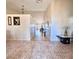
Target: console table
(64,39)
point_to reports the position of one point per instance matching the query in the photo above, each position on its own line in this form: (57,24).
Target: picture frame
(9,20)
(16,20)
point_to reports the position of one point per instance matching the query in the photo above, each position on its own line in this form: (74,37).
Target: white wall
(19,32)
(36,18)
(11,11)
(58,14)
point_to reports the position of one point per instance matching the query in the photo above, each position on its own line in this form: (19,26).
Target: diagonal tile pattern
(21,49)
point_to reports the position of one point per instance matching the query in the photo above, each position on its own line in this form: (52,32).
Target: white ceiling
(29,5)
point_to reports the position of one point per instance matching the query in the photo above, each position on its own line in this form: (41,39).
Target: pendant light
(22,9)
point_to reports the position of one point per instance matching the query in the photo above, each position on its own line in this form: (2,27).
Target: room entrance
(40,32)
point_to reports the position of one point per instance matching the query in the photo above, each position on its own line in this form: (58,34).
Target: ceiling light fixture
(38,1)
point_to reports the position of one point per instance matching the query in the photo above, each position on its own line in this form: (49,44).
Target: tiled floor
(19,49)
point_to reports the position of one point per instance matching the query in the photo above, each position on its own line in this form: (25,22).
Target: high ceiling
(29,5)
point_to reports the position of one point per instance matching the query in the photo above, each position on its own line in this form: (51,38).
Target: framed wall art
(16,20)
(9,20)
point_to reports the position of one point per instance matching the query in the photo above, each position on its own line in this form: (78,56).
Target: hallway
(33,27)
(21,49)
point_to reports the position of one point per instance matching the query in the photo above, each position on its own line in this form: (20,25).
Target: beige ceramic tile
(19,49)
